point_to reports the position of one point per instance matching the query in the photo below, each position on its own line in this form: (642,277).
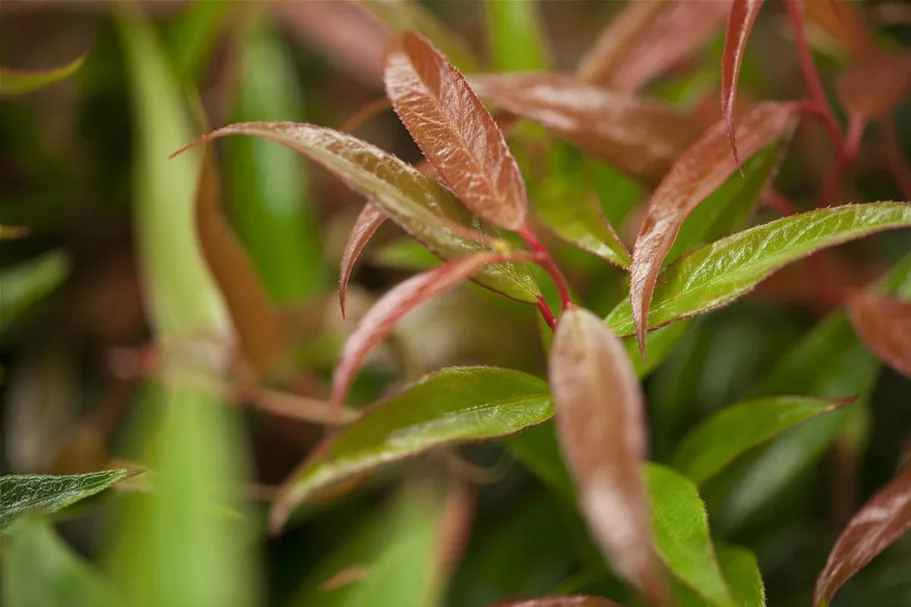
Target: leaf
(681,534)
(455,131)
(659,342)
(515,35)
(404,254)
(841,20)
(420,205)
(734,430)
(883,519)
(381,319)
(638,137)
(45,494)
(562,601)
(873,85)
(20,82)
(192,38)
(740,23)
(451,406)
(602,434)
(27,283)
(698,173)
(719,273)
(884,325)
(39,569)
(741,572)
(368,222)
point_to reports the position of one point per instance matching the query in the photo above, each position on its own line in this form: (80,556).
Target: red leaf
(842,21)
(562,601)
(455,131)
(638,137)
(601,429)
(740,24)
(884,325)
(698,173)
(381,319)
(368,222)
(873,85)
(881,521)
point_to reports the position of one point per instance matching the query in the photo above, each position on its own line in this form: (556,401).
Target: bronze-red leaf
(884,325)
(455,131)
(740,24)
(368,222)
(874,84)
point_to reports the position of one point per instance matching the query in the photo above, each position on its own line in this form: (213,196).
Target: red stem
(544,260)
(546,313)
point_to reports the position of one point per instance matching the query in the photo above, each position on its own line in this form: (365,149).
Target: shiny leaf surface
(368,222)
(740,23)
(884,325)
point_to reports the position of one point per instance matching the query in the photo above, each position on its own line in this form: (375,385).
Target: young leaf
(884,325)
(719,273)
(366,225)
(420,205)
(20,82)
(562,601)
(731,432)
(43,494)
(516,39)
(26,283)
(698,173)
(873,85)
(455,131)
(883,519)
(451,406)
(637,137)
(740,24)
(602,435)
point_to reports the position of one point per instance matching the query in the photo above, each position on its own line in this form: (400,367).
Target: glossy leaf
(731,432)
(455,405)
(44,494)
(873,85)
(368,222)
(740,23)
(420,205)
(562,601)
(638,137)
(516,38)
(26,283)
(884,325)
(455,131)
(698,173)
(381,319)
(719,273)
(602,434)
(682,534)
(883,519)
(19,82)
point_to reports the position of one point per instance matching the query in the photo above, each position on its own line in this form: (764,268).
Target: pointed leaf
(731,432)
(884,325)
(637,137)
(420,205)
(740,24)
(873,85)
(699,172)
(883,519)
(451,406)
(600,425)
(719,273)
(44,494)
(20,82)
(562,601)
(455,131)
(368,222)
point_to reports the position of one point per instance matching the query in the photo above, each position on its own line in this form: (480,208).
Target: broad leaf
(420,205)
(20,82)
(741,572)
(516,38)
(682,534)
(454,405)
(602,434)
(884,325)
(26,283)
(562,601)
(698,173)
(731,432)
(637,137)
(381,319)
(368,222)
(44,494)
(455,131)
(740,23)
(873,85)
(719,273)
(883,519)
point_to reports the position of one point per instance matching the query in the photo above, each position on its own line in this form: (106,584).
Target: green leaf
(404,254)
(454,405)
(40,570)
(719,273)
(659,343)
(193,37)
(22,494)
(682,534)
(741,572)
(515,36)
(26,283)
(20,82)
(731,432)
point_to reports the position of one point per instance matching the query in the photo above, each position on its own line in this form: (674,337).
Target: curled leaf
(366,225)
(602,434)
(638,137)
(740,24)
(20,82)
(874,84)
(884,325)
(698,173)
(883,519)
(455,131)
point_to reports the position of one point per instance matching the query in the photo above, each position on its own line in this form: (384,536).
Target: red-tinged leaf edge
(368,222)
(577,600)
(883,519)
(884,325)
(740,24)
